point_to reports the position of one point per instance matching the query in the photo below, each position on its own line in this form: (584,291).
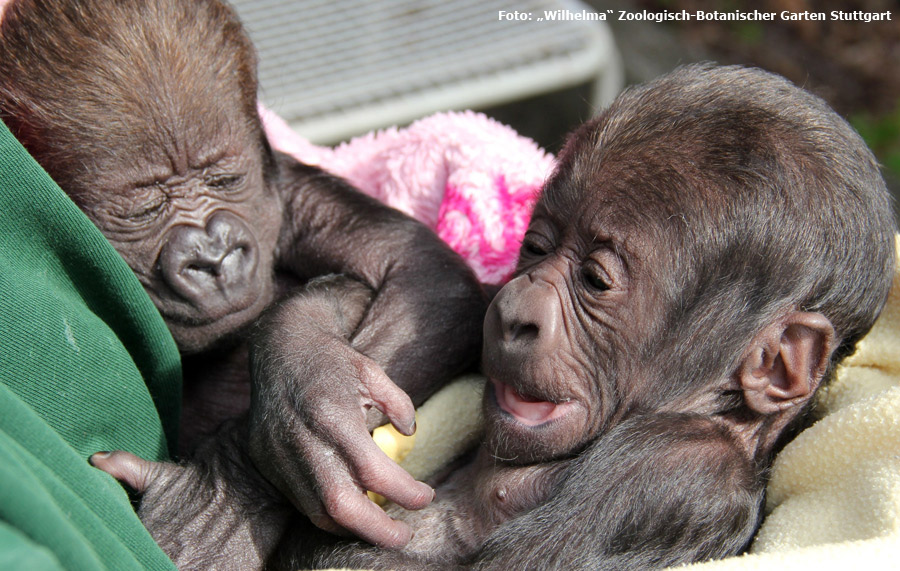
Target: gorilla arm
(657,490)
(423,324)
(326,363)
(219,511)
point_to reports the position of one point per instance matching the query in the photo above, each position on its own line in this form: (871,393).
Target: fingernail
(102,455)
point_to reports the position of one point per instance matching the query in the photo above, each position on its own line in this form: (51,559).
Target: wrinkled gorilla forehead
(625,207)
(648,203)
(162,140)
(165,172)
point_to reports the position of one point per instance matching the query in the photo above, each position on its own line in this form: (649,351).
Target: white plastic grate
(337,68)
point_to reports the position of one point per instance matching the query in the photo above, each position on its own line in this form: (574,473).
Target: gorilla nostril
(212,270)
(523,332)
(234,259)
(216,268)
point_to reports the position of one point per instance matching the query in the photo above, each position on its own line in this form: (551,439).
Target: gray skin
(145,113)
(707,251)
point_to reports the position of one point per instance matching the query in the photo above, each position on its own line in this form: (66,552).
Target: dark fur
(145,113)
(733,202)
(664,490)
(700,222)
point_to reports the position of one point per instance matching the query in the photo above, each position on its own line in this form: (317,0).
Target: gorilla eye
(594,280)
(148,211)
(535,245)
(223,181)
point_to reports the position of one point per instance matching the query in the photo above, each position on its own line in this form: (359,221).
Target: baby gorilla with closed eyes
(145,113)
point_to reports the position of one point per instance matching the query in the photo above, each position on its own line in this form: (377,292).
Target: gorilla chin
(524,429)
(197,336)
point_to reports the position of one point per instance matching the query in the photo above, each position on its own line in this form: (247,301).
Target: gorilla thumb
(138,473)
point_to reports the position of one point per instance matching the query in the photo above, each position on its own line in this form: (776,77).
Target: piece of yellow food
(448,424)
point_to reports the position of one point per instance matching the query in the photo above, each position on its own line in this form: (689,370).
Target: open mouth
(527,409)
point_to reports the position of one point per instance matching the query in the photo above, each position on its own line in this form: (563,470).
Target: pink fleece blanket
(470,178)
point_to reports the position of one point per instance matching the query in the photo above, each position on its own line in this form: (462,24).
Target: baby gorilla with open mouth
(707,250)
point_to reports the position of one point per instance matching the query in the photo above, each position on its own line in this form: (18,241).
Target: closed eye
(148,211)
(224,182)
(536,245)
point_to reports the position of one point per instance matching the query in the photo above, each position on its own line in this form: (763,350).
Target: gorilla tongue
(525,408)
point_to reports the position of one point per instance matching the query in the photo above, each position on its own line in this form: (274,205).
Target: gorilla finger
(323,521)
(357,514)
(138,473)
(376,472)
(305,494)
(390,399)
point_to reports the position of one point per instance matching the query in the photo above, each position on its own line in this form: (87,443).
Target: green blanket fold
(86,364)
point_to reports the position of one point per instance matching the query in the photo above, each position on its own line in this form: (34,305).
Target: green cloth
(86,364)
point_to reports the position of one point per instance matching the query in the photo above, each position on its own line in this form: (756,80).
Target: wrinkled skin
(543,335)
(189,229)
(170,161)
(663,333)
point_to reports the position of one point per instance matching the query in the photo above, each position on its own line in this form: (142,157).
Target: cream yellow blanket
(834,495)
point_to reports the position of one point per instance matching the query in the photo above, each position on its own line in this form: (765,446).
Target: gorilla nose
(524,319)
(212,268)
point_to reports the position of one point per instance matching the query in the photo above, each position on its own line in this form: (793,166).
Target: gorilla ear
(785,362)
